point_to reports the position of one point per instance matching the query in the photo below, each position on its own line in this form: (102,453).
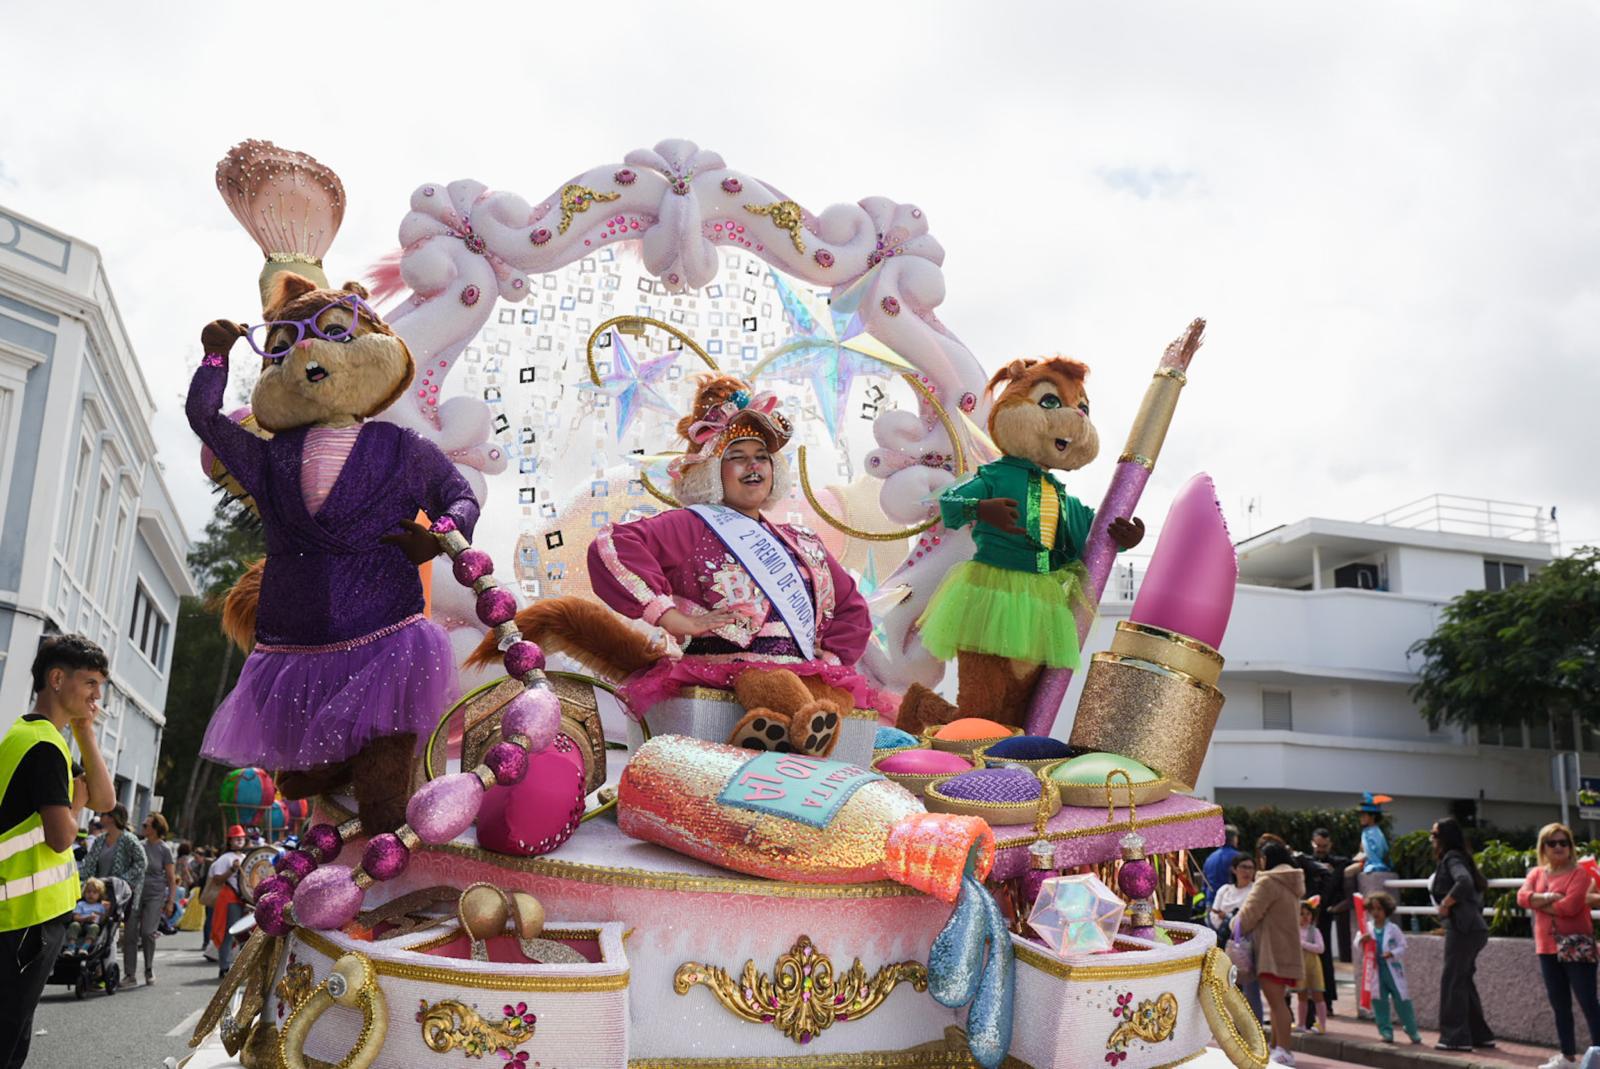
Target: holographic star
(633,384)
(1076,915)
(826,347)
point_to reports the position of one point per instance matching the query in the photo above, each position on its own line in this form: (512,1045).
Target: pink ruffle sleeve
(626,566)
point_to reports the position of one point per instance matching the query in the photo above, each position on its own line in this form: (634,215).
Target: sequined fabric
(993,785)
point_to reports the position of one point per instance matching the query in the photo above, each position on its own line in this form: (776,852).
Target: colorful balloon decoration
(246,796)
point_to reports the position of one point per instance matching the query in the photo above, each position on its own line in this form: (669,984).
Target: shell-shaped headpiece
(288,202)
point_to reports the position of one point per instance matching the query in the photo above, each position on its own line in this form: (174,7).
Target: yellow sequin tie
(1049,513)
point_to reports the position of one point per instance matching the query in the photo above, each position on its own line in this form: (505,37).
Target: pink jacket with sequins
(673,560)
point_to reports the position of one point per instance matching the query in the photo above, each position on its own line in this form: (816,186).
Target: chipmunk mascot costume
(1008,613)
(762,608)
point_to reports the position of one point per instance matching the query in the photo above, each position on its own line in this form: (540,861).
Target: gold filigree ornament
(1152,1020)
(802,997)
(576,198)
(448,1025)
(786,215)
(353,983)
(297,984)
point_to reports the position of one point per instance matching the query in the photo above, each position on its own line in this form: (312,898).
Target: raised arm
(242,453)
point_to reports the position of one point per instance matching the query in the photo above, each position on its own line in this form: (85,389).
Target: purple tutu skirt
(296,707)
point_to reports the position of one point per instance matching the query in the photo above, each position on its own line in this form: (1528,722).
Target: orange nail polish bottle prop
(794,817)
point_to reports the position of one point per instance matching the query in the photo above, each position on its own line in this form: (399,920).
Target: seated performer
(768,613)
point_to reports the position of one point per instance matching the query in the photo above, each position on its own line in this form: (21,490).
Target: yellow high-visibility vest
(36,883)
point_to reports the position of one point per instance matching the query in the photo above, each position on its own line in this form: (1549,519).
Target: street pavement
(138,1027)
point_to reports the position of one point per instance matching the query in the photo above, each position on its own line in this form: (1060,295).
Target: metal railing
(1454,514)
(1505,883)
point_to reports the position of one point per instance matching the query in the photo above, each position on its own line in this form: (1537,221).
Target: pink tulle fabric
(666,678)
(301,709)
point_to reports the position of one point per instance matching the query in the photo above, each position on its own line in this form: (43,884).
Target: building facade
(1317,680)
(90,540)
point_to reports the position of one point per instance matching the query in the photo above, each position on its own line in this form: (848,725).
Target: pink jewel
(673,278)
(967,403)
(823,257)
(474,243)
(890,305)
(731,185)
(427,191)
(469,296)
(516,283)
(916,213)
(624,177)
(540,236)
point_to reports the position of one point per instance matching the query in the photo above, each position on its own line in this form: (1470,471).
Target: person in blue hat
(1374,856)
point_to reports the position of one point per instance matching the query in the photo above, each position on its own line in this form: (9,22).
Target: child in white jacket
(1391,950)
(1314,983)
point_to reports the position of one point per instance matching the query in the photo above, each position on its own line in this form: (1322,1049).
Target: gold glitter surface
(1145,642)
(1152,714)
(1149,428)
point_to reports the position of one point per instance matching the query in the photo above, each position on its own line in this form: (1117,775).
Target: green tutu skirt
(1022,615)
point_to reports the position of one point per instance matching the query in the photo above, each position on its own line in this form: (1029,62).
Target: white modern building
(90,541)
(1318,676)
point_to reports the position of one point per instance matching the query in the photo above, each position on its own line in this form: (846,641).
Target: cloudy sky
(1388,212)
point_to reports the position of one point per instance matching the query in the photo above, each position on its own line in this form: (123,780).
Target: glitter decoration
(443,525)
(1137,879)
(576,198)
(445,807)
(535,715)
(296,865)
(971,964)
(633,384)
(892,738)
(385,856)
(508,762)
(993,785)
(787,216)
(472,565)
(323,842)
(496,606)
(1153,1020)
(272,885)
(328,898)
(1076,915)
(523,657)
(272,914)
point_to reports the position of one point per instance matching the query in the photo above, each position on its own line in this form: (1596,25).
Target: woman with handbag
(1240,951)
(1556,895)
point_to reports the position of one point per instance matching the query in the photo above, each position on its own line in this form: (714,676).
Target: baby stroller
(99,966)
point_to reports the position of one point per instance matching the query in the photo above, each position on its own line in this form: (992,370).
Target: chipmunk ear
(1014,370)
(285,287)
(356,288)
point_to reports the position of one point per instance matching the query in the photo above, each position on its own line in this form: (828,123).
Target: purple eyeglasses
(275,349)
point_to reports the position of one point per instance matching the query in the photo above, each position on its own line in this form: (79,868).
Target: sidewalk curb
(1385,1055)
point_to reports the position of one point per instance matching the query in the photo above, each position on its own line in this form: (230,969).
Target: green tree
(1505,657)
(205,666)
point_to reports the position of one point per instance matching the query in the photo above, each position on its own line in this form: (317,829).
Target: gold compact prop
(484,911)
(1152,697)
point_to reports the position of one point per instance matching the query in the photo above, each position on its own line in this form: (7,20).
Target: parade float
(577,882)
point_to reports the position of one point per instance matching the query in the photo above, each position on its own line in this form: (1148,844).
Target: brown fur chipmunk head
(326,357)
(1042,415)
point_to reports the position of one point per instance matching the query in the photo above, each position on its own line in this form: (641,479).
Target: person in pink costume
(674,570)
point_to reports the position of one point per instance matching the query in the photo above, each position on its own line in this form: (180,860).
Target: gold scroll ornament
(802,997)
(448,1025)
(1152,1020)
(576,198)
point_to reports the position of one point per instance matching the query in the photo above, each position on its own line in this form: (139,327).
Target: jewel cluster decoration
(308,890)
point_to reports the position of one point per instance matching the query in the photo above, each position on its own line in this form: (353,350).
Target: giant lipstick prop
(1134,466)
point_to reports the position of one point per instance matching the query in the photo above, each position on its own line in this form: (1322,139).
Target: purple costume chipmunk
(344,657)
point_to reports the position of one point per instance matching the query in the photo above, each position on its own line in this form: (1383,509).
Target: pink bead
(272,913)
(295,864)
(523,657)
(328,898)
(472,565)
(536,713)
(280,884)
(445,807)
(322,842)
(385,857)
(1137,879)
(496,606)
(508,762)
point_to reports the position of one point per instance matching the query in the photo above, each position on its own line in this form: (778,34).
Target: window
(148,628)
(1539,733)
(1566,737)
(71,512)
(1497,575)
(1277,713)
(95,552)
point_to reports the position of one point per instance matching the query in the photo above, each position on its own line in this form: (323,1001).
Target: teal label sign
(795,787)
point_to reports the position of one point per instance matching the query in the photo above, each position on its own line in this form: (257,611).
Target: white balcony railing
(1453,514)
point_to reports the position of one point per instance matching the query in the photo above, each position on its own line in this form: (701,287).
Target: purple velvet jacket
(328,577)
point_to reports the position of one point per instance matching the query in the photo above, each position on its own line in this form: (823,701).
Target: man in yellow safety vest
(40,802)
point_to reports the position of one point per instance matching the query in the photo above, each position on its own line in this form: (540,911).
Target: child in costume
(1390,948)
(1008,613)
(765,609)
(1314,985)
(346,672)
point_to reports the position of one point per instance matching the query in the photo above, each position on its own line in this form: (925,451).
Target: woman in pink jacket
(1556,895)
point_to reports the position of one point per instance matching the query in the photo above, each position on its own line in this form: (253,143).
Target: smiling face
(359,369)
(1043,414)
(746,475)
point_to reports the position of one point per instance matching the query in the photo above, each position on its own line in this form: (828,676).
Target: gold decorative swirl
(802,998)
(576,198)
(786,215)
(449,1024)
(957,454)
(296,986)
(1153,1021)
(636,325)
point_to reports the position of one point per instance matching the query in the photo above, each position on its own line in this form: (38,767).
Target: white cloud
(1386,211)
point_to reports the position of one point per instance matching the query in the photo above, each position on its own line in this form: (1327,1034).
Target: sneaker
(1560,1061)
(1281,1057)
(1454,1046)
(1416,1041)
(209,952)
(1387,1039)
